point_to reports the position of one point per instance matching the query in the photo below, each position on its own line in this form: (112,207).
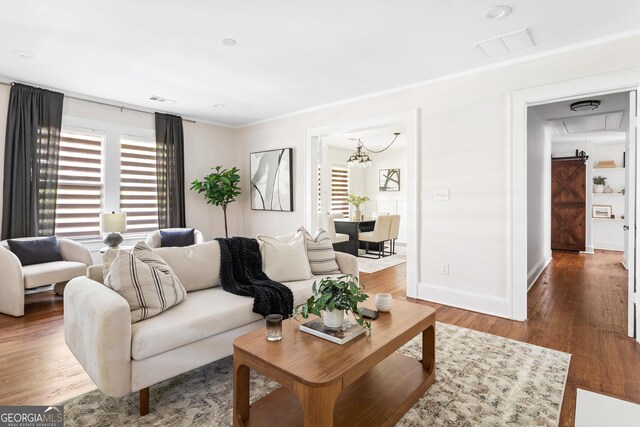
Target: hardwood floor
(578,305)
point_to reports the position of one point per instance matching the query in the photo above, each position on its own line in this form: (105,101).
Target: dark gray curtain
(31,162)
(170,170)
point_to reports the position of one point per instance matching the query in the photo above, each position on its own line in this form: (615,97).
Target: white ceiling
(290,55)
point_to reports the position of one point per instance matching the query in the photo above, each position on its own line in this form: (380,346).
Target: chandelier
(362,160)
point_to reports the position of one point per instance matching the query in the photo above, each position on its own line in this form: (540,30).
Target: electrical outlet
(441,195)
(444,269)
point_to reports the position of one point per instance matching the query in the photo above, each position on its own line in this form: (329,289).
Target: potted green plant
(334,297)
(356,201)
(598,184)
(220,188)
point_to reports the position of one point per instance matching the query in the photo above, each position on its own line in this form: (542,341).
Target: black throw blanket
(241,274)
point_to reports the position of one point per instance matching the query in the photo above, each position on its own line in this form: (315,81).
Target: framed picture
(272,180)
(389,179)
(601,211)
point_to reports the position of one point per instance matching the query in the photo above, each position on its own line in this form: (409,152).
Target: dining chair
(336,214)
(340,241)
(394,231)
(379,235)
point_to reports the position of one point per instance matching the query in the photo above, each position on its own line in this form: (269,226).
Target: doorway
(586,177)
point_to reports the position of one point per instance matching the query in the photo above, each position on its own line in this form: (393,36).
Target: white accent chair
(153,239)
(394,231)
(380,235)
(377,214)
(15,278)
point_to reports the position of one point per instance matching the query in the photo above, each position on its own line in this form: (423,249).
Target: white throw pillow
(143,279)
(322,258)
(284,261)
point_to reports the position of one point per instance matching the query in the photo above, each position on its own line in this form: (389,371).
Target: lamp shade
(113,222)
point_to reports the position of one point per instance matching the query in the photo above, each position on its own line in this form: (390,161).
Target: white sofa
(15,278)
(122,358)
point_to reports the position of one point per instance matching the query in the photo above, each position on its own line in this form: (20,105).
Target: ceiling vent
(506,43)
(590,123)
(161,99)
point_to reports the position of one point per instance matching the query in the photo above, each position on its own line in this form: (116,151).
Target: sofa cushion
(284,261)
(36,251)
(179,238)
(322,258)
(197,266)
(201,315)
(52,272)
(145,281)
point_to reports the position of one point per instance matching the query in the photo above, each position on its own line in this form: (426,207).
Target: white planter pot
(598,188)
(333,319)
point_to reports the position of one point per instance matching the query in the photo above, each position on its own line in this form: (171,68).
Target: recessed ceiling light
(228,42)
(497,12)
(25,54)
(157,98)
(219,105)
(588,105)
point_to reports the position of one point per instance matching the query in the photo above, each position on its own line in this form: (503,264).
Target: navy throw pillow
(36,251)
(170,238)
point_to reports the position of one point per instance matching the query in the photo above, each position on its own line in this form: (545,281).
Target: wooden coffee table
(364,382)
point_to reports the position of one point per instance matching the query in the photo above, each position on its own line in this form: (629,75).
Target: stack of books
(602,164)
(349,331)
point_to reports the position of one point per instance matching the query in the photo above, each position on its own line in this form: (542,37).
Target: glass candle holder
(274,327)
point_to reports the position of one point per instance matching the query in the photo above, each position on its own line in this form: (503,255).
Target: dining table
(352,227)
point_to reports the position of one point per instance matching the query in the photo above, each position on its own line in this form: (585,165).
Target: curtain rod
(121,107)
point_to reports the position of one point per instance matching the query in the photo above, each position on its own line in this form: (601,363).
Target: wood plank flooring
(578,305)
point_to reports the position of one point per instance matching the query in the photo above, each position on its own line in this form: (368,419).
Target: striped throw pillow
(322,258)
(143,279)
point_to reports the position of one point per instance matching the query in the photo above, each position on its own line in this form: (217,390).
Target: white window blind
(138,184)
(79,199)
(339,190)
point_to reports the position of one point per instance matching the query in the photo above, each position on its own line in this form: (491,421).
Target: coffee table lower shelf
(379,398)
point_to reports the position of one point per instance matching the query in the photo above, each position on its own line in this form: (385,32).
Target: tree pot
(333,319)
(598,188)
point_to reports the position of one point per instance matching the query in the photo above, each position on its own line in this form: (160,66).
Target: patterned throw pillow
(145,281)
(322,258)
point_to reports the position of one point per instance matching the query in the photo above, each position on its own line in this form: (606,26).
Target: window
(339,190)
(138,184)
(79,199)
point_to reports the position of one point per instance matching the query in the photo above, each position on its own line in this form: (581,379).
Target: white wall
(205,146)
(538,202)
(463,147)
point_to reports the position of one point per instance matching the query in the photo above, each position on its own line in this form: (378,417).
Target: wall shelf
(609,169)
(609,219)
(608,194)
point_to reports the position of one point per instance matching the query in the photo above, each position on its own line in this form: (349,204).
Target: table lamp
(114,224)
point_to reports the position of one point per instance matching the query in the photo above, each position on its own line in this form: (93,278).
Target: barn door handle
(625,227)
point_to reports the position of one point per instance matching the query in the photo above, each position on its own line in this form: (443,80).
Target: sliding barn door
(568,205)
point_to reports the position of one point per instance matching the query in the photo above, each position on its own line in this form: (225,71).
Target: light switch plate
(441,195)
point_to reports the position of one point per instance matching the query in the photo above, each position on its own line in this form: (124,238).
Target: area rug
(368,265)
(481,380)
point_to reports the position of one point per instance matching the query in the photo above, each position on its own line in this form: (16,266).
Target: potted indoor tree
(334,297)
(599,183)
(356,201)
(220,188)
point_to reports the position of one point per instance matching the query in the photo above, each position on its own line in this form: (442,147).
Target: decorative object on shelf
(114,224)
(607,189)
(362,160)
(601,211)
(356,201)
(586,105)
(606,164)
(334,297)
(272,180)
(389,179)
(599,183)
(622,191)
(384,302)
(220,188)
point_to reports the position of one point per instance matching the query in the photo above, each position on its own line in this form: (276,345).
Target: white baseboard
(609,246)
(537,269)
(467,300)
(588,250)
